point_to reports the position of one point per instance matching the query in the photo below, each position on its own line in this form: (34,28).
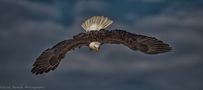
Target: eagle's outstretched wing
(149,45)
(50,58)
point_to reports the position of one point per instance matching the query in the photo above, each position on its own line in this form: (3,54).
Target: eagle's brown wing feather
(149,45)
(50,58)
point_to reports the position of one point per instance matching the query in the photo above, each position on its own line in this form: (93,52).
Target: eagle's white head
(96,23)
(95,46)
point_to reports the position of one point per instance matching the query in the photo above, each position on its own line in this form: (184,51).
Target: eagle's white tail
(96,23)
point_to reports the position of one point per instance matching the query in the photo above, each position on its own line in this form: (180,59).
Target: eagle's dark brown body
(51,57)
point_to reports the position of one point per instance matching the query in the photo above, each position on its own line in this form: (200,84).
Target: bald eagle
(94,36)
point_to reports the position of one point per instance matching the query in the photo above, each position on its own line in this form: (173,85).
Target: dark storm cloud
(23,23)
(28,27)
(25,26)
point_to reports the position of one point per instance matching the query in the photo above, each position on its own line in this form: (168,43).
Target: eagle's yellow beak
(97,49)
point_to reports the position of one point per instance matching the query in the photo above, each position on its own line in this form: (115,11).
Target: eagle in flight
(94,36)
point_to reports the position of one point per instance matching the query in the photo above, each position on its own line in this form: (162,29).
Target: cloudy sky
(27,27)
